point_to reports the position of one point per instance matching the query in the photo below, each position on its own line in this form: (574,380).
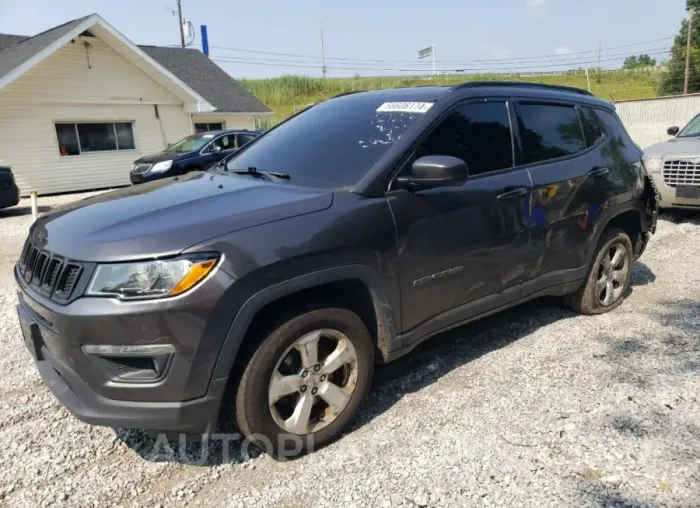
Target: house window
(77,138)
(208,127)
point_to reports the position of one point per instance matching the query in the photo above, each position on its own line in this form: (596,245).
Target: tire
(263,421)
(592,298)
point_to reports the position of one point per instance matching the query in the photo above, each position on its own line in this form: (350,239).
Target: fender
(387,337)
(607,216)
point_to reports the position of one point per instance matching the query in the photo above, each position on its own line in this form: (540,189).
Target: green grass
(281,94)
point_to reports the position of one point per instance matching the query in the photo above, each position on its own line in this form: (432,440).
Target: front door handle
(598,172)
(513,193)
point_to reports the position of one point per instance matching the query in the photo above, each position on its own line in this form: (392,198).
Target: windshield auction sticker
(404,107)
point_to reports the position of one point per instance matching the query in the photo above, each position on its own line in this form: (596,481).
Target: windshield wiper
(252,170)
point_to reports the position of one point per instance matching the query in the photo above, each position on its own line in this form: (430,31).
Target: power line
(418,65)
(283,63)
(518,59)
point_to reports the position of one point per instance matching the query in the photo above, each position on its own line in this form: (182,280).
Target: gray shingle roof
(7,40)
(189,65)
(207,79)
(15,55)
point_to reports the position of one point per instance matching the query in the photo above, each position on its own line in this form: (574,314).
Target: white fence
(647,120)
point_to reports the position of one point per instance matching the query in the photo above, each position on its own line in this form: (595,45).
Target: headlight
(653,165)
(151,279)
(161,166)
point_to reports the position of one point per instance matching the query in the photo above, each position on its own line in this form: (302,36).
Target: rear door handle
(513,193)
(598,172)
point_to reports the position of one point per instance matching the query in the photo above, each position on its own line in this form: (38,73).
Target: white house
(80,102)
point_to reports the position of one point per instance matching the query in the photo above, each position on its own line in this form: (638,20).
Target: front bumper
(137,178)
(667,195)
(185,399)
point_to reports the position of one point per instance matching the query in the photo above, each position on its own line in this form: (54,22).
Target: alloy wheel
(613,272)
(313,381)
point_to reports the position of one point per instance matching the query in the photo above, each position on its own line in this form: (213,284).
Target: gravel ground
(533,407)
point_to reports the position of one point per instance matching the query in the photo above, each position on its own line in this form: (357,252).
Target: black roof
(189,65)
(207,79)
(479,88)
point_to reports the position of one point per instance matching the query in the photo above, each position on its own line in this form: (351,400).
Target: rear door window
(549,131)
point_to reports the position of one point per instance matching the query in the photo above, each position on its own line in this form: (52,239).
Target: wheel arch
(631,220)
(355,286)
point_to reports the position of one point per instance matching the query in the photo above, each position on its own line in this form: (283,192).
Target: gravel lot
(533,407)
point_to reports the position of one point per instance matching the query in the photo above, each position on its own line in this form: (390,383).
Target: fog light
(132,363)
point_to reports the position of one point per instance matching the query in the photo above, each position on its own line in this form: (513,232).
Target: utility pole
(588,79)
(179,17)
(433,52)
(323,53)
(599,77)
(687,52)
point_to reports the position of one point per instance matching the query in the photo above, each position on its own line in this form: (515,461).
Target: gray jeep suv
(265,291)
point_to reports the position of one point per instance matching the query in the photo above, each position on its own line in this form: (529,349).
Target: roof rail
(343,94)
(522,84)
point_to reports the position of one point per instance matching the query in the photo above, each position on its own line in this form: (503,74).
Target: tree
(672,79)
(638,61)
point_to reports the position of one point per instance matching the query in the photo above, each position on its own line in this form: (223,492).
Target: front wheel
(305,382)
(609,275)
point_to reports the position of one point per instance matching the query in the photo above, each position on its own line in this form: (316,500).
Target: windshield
(191,143)
(334,143)
(692,129)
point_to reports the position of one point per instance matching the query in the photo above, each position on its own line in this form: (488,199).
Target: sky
(381,37)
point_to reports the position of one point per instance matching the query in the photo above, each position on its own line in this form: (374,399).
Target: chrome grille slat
(681,172)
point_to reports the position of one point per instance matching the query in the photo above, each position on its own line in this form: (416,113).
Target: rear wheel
(609,275)
(305,382)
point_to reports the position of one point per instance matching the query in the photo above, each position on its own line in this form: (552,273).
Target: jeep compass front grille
(52,275)
(681,172)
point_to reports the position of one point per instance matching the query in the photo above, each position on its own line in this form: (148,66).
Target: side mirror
(436,171)
(672,131)
(216,148)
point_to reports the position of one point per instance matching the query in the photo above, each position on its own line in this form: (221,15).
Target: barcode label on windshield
(404,107)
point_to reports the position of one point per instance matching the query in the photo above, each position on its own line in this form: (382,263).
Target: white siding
(647,120)
(64,88)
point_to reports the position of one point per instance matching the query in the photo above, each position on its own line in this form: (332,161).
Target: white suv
(674,165)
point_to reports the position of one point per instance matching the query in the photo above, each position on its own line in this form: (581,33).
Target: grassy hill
(283,93)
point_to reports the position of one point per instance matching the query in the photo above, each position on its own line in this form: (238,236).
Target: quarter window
(244,139)
(477,133)
(591,126)
(77,138)
(549,131)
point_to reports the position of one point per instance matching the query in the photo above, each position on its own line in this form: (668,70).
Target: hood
(164,156)
(166,216)
(674,146)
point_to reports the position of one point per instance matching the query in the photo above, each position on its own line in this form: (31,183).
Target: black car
(263,292)
(9,193)
(197,152)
